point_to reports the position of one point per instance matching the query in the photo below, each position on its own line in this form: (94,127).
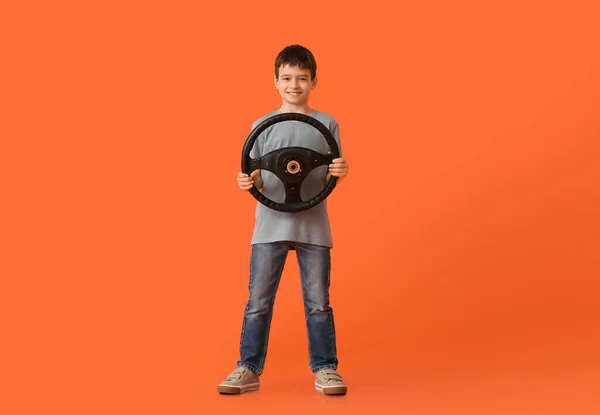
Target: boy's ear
(314,83)
(275,80)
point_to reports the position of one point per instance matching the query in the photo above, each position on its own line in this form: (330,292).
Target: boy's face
(294,84)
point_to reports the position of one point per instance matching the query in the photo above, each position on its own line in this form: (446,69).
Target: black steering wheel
(290,164)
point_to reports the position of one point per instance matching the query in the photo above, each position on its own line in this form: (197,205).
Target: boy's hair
(296,55)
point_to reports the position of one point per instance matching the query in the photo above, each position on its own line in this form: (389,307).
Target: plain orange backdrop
(467,234)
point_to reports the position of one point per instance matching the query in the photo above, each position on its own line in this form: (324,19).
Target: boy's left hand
(339,168)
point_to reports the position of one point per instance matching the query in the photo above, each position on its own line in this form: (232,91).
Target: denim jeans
(266,266)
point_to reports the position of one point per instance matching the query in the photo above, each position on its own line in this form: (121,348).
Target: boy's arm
(257,179)
(244,181)
(339,166)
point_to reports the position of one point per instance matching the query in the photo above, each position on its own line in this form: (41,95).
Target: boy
(276,233)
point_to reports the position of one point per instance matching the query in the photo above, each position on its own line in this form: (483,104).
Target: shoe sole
(236,390)
(331,390)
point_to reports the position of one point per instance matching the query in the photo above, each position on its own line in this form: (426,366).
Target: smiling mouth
(294,93)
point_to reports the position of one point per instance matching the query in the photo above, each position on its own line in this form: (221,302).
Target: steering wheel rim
(284,154)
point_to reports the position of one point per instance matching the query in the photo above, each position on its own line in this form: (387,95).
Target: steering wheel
(290,164)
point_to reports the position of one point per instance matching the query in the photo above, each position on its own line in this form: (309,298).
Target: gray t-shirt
(310,226)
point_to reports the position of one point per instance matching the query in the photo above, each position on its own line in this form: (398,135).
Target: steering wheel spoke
(292,193)
(291,164)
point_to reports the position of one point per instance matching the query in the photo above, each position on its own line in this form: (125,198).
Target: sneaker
(329,382)
(239,381)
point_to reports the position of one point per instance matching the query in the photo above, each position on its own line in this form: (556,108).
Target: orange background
(467,257)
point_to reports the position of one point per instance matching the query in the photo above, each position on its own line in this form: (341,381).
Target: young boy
(276,233)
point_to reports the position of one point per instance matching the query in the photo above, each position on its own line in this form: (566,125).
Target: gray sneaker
(329,382)
(239,381)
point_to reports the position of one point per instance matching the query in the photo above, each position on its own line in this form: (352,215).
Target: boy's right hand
(245,182)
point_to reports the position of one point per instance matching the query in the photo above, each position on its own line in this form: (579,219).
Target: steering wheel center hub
(293,167)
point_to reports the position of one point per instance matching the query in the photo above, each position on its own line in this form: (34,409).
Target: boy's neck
(303,109)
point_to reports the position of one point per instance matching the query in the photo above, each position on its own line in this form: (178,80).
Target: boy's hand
(339,168)
(245,182)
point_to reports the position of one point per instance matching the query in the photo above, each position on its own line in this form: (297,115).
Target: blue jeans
(266,266)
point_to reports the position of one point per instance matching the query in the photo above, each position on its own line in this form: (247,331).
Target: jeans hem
(319,368)
(251,368)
